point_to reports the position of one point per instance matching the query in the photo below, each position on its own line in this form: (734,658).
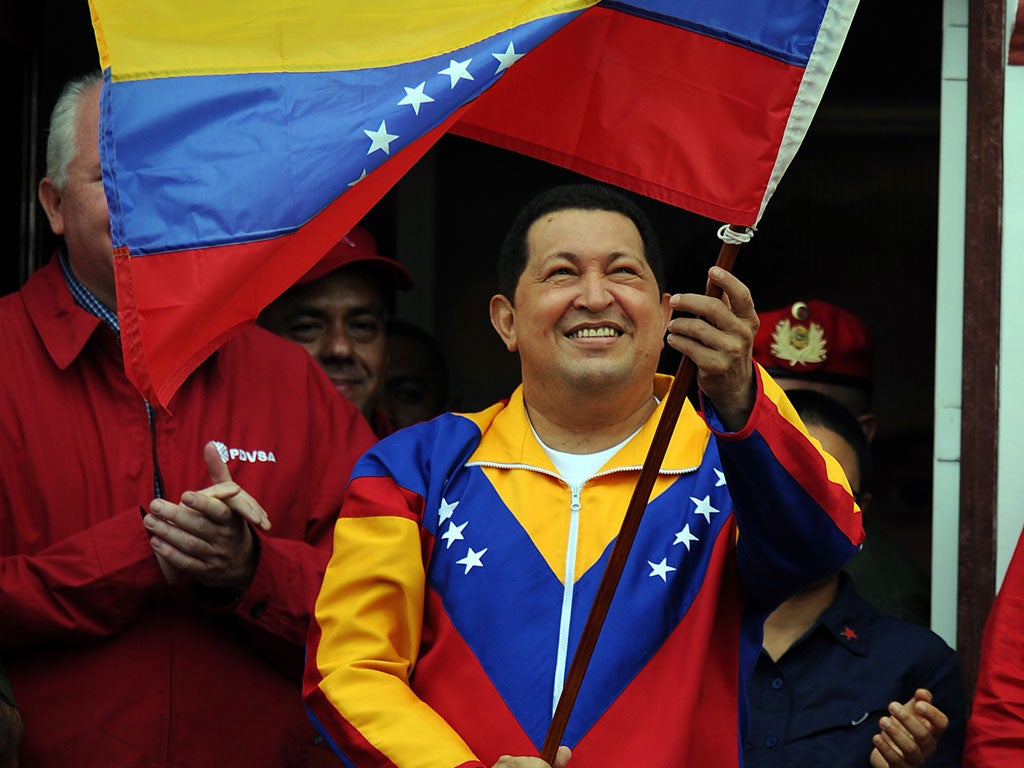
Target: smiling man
(338,311)
(483,536)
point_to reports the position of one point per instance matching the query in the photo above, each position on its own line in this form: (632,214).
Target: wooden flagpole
(634,512)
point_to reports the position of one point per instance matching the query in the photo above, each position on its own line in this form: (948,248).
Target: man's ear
(869,423)
(666,309)
(50,198)
(503,318)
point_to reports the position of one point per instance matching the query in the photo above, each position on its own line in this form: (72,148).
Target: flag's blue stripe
(782,29)
(212,144)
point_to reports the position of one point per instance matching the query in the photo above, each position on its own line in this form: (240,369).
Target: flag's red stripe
(719,112)
(199,295)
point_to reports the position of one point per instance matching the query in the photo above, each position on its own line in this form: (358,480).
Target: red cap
(359,247)
(817,341)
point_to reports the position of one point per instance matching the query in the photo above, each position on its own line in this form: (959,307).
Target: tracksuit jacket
(449,645)
(110,666)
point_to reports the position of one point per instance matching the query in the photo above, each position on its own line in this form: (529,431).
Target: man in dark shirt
(833,669)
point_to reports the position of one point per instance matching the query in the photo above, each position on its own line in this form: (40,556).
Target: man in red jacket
(139,631)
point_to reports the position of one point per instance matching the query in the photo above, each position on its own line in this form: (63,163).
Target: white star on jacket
(473,559)
(661,570)
(454,533)
(704,507)
(445,510)
(684,537)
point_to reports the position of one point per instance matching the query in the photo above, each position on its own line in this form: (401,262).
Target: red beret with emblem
(359,247)
(817,341)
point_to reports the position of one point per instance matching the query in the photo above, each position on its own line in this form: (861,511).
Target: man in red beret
(339,312)
(816,345)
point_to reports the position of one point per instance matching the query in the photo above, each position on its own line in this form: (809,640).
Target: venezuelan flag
(239,140)
(699,105)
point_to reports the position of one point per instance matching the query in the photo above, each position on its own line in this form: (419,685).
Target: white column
(949,319)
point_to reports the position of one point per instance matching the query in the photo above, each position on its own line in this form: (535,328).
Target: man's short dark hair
(817,408)
(585,197)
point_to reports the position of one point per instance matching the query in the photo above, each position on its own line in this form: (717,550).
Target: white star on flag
(507,59)
(473,559)
(721,478)
(457,70)
(380,139)
(415,96)
(661,570)
(704,507)
(446,510)
(685,537)
(453,534)
(361,177)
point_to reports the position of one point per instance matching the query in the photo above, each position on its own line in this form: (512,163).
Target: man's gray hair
(61,146)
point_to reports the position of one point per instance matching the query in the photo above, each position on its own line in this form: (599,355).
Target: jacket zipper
(568,585)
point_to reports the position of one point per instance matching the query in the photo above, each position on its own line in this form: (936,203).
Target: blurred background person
(339,312)
(416,380)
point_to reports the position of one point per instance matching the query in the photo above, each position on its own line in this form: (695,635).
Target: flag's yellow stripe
(156,38)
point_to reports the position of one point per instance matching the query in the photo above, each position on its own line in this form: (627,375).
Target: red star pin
(848,633)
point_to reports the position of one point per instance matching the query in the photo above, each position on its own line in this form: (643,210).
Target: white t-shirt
(577,468)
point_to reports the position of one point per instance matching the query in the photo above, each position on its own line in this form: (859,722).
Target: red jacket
(995,730)
(110,666)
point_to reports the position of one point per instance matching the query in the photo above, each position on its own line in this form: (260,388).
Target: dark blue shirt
(820,704)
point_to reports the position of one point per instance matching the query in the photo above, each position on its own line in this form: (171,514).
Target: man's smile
(584,333)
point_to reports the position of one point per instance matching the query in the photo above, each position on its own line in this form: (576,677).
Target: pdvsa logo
(240,454)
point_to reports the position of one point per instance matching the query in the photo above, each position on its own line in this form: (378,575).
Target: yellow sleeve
(365,638)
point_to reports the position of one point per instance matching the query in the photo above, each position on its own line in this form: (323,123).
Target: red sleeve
(995,730)
(88,585)
(797,520)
